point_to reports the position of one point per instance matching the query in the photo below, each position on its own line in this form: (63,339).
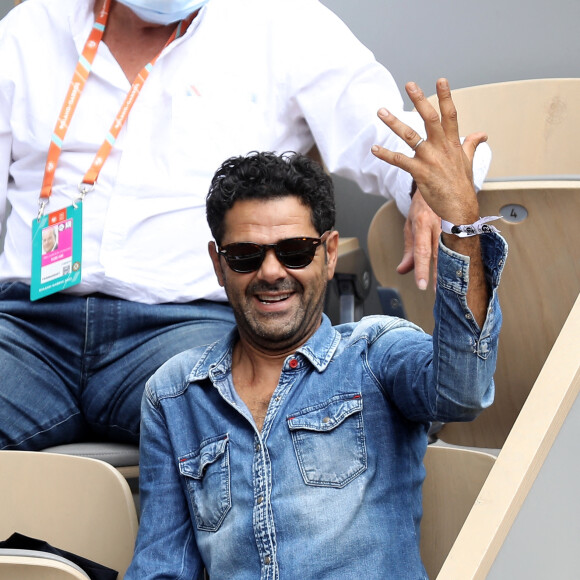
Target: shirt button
(293,363)
(258,447)
(267,560)
(468,316)
(459,273)
(326,420)
(260,500)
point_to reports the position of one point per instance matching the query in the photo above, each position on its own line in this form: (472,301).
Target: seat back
(385,247)
(524,523)
(453,481)
(532,125)
(123,456)
(77,504)
(538,288)
(37,566)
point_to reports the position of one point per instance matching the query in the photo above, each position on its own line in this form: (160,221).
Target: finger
(407,262)
(406,133)
(426,228)
(422,252)
(426,110)
(448,111)
(436,233)
(471,142)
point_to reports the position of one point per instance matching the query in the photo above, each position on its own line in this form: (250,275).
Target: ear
(217,266)
(331,253)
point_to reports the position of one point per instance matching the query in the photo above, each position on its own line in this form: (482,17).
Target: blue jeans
(74,368)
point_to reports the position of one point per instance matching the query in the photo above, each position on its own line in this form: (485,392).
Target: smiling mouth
(273,299)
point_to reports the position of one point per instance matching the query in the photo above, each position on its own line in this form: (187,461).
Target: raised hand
(441,166)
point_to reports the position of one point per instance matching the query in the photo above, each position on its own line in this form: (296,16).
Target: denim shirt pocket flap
(207,479)
(327,416)
(329,441)
(484,347)
(194,465)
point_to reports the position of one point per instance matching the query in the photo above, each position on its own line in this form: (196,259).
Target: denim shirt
(331,486)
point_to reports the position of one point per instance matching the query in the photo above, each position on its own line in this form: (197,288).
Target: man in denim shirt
(293,449)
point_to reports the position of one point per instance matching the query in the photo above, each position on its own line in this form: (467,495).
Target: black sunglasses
(293,253)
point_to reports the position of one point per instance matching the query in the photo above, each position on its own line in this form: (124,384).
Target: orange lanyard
(79,79)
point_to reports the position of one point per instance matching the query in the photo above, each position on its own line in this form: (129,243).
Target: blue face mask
(163,11)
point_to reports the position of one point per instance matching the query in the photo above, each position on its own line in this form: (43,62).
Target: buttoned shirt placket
(263,515)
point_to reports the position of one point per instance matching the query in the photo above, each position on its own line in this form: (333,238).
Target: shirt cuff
(481,163)
(453,268)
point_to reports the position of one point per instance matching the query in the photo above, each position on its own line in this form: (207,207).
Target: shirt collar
(216,359)
(321,346)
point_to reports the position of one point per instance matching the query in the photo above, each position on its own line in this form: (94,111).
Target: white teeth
(271,299)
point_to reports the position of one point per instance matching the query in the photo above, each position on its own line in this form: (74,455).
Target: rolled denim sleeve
(448,376)
(165,546)
(465,355)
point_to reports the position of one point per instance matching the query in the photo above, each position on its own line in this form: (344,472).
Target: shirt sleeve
(339,88)
(449,376)
(165,546)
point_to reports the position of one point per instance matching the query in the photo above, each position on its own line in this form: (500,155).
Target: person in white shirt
(206,81)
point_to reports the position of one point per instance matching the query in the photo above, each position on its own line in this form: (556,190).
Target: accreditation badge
(56,251)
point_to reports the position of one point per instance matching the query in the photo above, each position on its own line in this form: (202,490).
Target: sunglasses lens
(244,257)
(296,252)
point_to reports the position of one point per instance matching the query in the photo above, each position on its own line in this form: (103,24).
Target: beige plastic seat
(532,126)
(525,487)
(34,566)
(454,479)
(538,288)
(534,183)
(78,504)
(123,456)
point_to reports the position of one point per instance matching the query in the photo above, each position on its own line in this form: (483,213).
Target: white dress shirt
(269,75)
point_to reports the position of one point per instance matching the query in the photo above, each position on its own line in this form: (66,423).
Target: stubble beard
(279,331)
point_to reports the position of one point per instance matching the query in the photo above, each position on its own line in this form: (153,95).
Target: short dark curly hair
(266,175)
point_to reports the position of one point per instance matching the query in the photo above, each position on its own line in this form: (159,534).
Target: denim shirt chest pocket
(207,479)
(329,441)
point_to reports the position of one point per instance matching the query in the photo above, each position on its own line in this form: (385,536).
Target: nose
(271,268)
